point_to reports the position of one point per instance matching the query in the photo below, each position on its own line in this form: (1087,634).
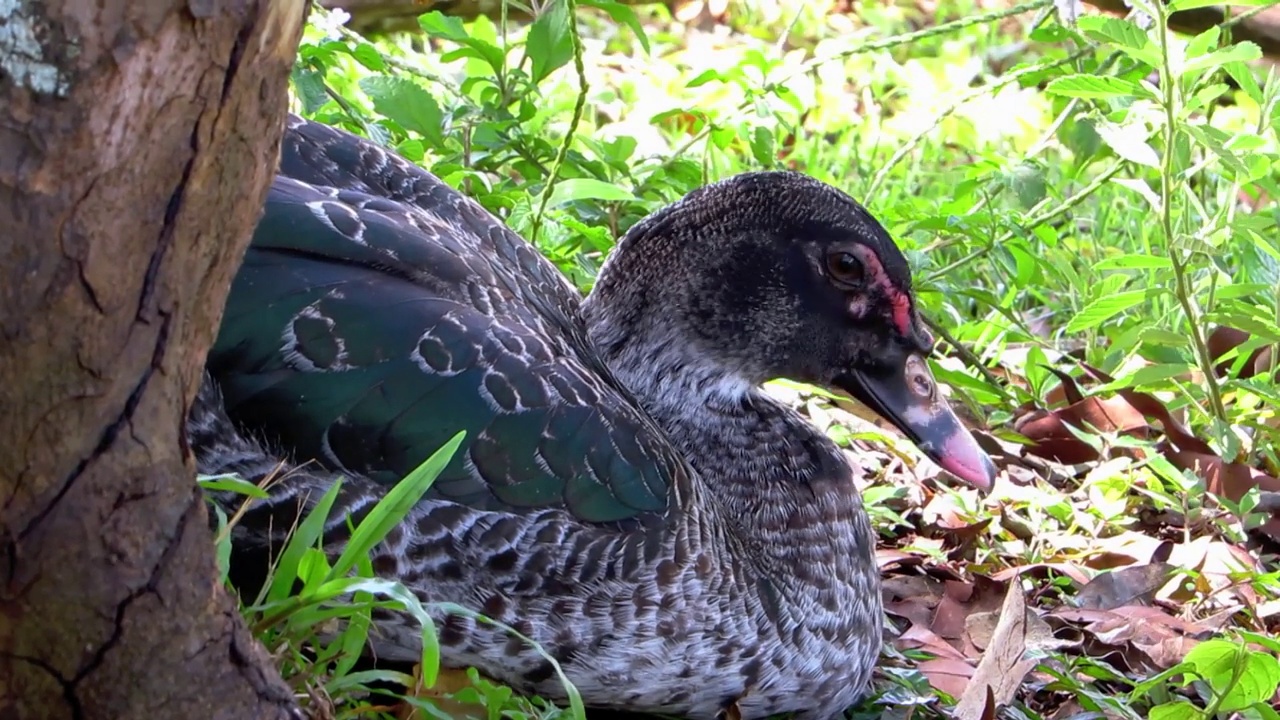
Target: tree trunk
(137,141)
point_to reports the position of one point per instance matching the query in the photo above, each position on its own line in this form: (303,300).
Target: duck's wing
(378,312)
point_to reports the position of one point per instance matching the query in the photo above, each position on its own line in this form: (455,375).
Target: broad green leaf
(587,189)
(1096,86)
(1204,42)
(621,14)
(406,103)
(437,24)
(1134,261)
(1125,35)
(310,88)
(1240,52)
(1105,308)
(449,27)
(549,44)
(1129,142)
(368,56)
(1259,673)
(1245,79)
(1176,710)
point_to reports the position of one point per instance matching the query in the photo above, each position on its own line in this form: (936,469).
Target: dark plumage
(625,496)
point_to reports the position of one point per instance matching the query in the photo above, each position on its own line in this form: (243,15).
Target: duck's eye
(845,268)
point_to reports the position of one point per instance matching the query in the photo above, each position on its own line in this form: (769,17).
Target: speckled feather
(626,497)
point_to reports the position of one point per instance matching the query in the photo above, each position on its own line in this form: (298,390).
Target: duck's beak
(907,396)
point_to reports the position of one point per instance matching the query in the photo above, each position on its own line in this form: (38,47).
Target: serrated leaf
(1129,142)
(1095,87)
(549,44)
(310,87)
(1105,308)
(1245,79)
(1240,52)
(1123,34)
(587,189)
(406,103)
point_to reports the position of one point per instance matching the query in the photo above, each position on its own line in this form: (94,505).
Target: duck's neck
(783,487)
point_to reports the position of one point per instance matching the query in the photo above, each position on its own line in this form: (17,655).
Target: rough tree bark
(137,140)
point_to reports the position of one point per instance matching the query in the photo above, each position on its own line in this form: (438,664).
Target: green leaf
(407,104)
(1096,86)
(549,44)
(1217,662)
(1125,35)
(1240,52)
(302,539)
(762,146)
(1176,710)
(1027,182)
(1134,261)
(310,87)
(621,14)
(1180,5)
(1129,142)
(1105,308)
(1245,79)
(231,483)
(566,191)
(705,77)
(393,507)
(436,24)
(368,56)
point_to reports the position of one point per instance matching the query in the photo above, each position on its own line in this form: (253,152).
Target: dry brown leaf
(948,675)
(999,674)
(1125,586)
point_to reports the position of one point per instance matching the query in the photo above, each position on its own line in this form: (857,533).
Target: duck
(626,495)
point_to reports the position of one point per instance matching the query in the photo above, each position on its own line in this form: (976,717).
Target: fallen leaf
(999,674)
(1125,586)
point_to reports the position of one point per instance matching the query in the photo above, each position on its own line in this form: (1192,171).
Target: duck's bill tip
(908,398)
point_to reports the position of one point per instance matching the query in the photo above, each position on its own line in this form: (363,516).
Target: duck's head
(775,274)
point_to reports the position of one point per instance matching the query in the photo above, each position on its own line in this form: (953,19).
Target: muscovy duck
(626,495)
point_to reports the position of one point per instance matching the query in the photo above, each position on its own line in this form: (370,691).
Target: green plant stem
(1182,284)
(571,8)
(1237,672)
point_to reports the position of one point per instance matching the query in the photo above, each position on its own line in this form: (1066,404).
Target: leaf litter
(992,605)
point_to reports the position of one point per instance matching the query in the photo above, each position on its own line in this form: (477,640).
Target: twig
(571,7)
